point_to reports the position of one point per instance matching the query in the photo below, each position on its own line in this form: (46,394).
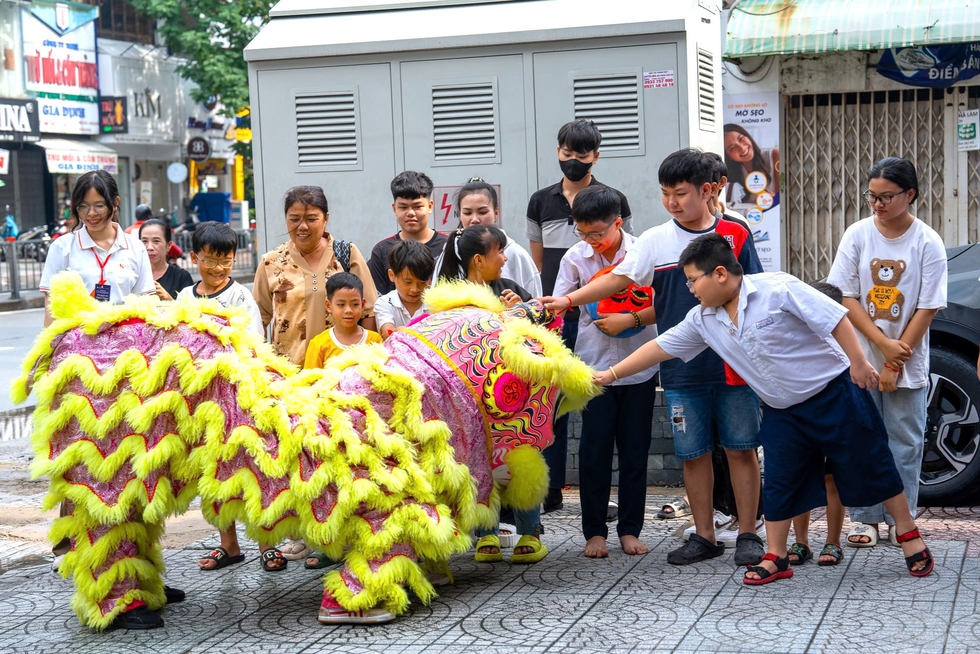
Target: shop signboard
(62,72)
(19,120)
(112,115)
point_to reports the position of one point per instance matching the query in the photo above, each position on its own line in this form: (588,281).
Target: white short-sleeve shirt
(389,309)
(232,295)
(782,346)
(127,267)
(892,278)
(594,347)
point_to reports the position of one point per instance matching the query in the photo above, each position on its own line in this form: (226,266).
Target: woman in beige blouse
(291,291)
(291,281)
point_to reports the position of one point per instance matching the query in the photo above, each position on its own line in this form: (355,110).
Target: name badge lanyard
(101,291)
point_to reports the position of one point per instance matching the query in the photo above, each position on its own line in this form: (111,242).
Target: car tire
(950,472)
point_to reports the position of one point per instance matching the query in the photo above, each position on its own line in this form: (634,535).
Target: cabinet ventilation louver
(706,90)
(326,129)
(613,103)
(464,121)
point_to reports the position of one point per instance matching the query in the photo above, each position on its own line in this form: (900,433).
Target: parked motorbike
(34,243)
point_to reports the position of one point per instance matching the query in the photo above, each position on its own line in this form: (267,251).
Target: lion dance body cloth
(390,454)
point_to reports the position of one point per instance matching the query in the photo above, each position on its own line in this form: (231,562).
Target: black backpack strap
(341,250)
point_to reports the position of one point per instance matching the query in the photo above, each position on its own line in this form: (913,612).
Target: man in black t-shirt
(551,231)
(411,193)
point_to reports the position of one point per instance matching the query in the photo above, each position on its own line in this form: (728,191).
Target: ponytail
(464,244)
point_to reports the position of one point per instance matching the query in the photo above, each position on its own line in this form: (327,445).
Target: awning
(78,156)
(767,27)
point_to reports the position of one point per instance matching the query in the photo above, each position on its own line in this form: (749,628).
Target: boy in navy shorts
(706,400)
(795,347)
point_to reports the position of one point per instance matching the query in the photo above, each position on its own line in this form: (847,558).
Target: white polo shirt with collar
(782,346)
(593,346)
(127,266)
(389,309)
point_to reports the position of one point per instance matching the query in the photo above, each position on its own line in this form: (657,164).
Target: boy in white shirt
(410,267)
(793,346)
(213,250)
(214,246)
(621,416)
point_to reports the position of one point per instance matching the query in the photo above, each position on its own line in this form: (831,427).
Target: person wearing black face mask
(551,231)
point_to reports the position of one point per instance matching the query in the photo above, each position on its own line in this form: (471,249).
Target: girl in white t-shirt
(891,268)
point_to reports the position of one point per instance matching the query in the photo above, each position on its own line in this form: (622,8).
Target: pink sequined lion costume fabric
(391,454)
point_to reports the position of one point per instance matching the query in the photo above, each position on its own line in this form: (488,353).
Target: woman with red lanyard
(112,264)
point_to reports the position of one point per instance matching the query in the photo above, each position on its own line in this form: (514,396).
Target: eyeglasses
(690,282)
(218,263)
(590,236)
(884,199)
(99,208)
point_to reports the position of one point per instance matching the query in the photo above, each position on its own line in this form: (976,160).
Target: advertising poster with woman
(752,155)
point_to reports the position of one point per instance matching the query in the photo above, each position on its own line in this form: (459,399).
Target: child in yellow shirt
(344,304)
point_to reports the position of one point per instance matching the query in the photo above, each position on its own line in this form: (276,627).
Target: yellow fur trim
(558,367)
(457,293)
(528,478)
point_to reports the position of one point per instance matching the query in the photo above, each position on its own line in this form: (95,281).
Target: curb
(36,302)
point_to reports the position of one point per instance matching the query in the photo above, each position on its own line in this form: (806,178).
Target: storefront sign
(59,51)
(18,120)
(934,66)
(112,115)
(968,130)
(751,152)
(198,149)
(75,162)
(4,161)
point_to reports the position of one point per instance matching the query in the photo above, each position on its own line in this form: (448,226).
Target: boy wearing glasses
(622,415)
(214,246)
(706,400)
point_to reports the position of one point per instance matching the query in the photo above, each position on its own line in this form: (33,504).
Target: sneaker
(722,520)
(728,536)
(343,616)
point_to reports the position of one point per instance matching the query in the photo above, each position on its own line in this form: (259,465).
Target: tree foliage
(211,35)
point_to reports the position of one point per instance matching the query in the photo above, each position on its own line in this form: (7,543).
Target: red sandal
(783,571)
(924,555)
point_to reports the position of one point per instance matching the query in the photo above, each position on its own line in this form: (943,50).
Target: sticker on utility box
(658,79)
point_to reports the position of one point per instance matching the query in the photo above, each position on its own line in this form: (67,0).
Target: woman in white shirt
(476,204)
(112,264)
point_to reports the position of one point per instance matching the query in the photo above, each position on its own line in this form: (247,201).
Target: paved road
(16,337)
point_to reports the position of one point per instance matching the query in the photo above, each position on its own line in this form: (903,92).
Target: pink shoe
(343,616)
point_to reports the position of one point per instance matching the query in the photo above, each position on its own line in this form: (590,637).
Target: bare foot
(595,548)
(632,545)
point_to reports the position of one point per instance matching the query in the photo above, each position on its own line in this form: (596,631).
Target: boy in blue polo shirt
(795,347)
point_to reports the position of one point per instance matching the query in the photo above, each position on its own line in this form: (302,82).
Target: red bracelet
(894,370)
(570,303)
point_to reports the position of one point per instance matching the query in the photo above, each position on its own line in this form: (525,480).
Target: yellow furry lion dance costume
(390,454)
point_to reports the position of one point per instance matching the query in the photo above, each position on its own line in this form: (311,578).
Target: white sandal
(296,550)
(869,531)
(893,536)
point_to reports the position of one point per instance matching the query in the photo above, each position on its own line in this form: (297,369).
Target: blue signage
(934,66)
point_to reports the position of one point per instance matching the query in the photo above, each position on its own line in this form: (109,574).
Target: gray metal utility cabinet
(346,94)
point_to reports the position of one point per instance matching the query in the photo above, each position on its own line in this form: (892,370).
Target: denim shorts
(700,415)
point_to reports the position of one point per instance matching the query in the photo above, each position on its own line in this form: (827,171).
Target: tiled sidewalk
(565,603)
